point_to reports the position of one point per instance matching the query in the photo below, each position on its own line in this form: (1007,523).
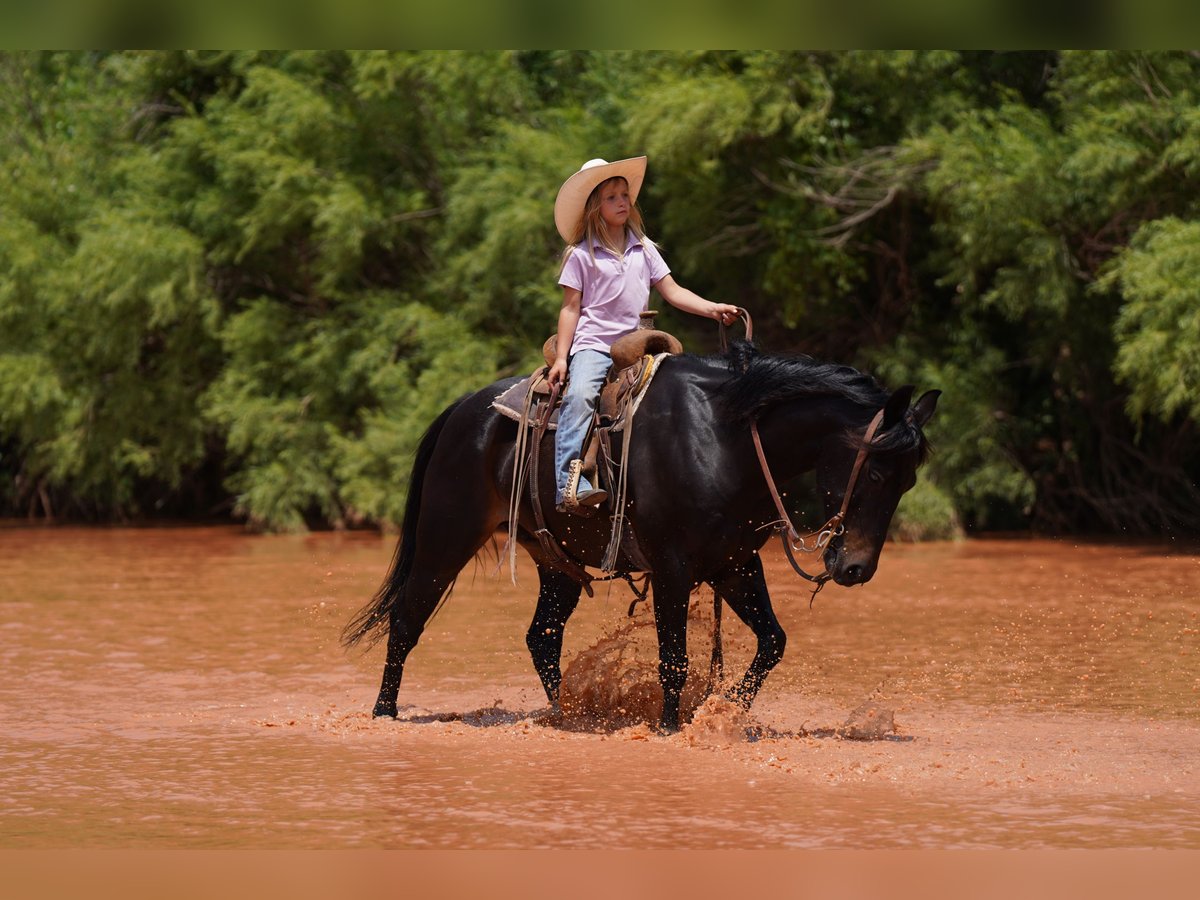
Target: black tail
(373,619)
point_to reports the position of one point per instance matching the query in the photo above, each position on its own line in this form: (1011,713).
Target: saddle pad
(512,402)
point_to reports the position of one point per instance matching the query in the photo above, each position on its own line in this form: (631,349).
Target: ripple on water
(1038,701)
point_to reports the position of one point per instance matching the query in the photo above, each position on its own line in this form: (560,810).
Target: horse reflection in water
(697,501)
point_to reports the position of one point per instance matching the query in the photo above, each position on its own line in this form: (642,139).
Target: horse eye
(875,475)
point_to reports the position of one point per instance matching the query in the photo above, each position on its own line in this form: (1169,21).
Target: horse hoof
(737,698)
(384,710)
(551,716)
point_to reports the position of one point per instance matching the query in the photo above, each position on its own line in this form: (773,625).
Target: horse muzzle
(847,567)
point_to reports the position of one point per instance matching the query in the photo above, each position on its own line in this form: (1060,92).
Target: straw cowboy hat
(568,207)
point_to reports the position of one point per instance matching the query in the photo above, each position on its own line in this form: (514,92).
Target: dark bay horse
(697,501)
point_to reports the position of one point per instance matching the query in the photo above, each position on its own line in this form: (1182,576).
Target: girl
(608,268)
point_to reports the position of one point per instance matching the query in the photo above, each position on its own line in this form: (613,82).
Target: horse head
(874,472)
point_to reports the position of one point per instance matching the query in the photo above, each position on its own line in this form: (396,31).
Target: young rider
(609,266)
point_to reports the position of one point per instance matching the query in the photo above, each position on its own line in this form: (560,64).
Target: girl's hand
(558,372)
(725,313)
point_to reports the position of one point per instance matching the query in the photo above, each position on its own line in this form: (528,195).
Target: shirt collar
(631,240)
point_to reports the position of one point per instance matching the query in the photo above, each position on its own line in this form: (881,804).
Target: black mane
(759,381)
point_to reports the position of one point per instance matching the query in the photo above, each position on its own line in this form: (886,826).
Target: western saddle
(635,357)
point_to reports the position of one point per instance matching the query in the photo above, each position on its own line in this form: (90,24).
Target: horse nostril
(854,573)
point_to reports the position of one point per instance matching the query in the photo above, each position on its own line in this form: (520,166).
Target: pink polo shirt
(615,291)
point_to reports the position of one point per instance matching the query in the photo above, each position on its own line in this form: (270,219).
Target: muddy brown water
(185,688)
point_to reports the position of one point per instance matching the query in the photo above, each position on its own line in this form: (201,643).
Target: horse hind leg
(745,590)
(422,592)
(558,596)
(446,540)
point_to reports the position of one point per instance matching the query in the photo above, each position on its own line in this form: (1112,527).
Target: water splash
(614,683)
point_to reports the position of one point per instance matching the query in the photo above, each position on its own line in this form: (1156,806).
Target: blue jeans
(587,368)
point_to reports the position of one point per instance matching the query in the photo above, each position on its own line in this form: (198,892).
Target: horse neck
(794,433)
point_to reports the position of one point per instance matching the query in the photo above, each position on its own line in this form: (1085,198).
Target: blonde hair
(592,229)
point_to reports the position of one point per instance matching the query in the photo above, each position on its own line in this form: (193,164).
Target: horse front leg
(557,599)
(745,590)
(670,621)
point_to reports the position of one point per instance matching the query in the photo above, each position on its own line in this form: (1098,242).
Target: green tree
(246,281)
(106,320)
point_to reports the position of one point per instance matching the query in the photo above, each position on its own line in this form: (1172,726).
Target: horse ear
(897,406)
(923,408)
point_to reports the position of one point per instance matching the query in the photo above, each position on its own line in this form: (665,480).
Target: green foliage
(926,514)
(1158,329)
(437,360)
(971,464)
(107,318)
(501,261)
(323,415)
(253,278)
(1033,206)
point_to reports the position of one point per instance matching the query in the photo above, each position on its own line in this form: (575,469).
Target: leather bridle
(834,526)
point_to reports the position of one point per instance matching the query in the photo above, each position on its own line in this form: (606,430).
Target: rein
(744,315)
(834,525)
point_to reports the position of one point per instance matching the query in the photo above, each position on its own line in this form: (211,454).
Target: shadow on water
(497,716)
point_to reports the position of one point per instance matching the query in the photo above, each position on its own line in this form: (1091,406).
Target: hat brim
(568,206)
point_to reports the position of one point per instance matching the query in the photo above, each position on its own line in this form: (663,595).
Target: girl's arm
(568,319)
(681,298)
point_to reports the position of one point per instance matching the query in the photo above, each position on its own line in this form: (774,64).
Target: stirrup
(571,491)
